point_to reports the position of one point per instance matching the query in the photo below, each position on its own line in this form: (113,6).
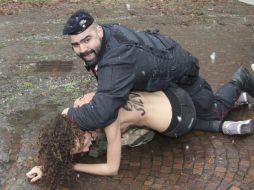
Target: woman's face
(83,142)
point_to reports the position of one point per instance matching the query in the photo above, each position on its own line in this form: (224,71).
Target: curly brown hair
(56,141)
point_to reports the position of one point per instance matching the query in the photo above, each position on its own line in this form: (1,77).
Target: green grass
(2,45)
(70,87)
(25,85)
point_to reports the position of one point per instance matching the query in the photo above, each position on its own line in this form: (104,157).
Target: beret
(78,22)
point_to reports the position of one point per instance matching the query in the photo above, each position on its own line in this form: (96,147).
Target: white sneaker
(252,66)
(238,127)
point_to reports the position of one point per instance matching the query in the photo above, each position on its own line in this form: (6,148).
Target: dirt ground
(40,75)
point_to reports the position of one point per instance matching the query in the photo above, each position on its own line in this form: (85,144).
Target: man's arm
(115,81)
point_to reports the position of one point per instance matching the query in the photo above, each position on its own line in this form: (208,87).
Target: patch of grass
(13,99)
(25,86)
(53,99)
(2,45)
(69,87)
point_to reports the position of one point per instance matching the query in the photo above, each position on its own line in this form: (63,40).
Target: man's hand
(65,111)
(35,173)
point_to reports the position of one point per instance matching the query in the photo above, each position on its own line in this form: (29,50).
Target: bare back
(152,110)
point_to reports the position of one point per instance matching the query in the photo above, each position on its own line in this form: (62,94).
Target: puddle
(18,147)
(54,67)
(18,144)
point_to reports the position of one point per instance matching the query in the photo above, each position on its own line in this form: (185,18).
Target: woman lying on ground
(170,112)
(62,139)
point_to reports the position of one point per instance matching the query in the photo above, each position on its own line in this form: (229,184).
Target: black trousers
(212,108)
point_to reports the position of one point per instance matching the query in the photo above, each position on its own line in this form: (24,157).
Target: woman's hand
(35,173)
(83,100)
(65,111)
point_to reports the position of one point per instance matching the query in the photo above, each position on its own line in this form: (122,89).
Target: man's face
(83,142)
(87,44)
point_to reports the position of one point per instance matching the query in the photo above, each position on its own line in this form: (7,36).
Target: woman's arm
(113,134)
(83,100)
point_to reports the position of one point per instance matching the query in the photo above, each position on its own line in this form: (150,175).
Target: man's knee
(202,96)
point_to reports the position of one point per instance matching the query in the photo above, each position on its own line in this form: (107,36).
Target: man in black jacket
(124,60)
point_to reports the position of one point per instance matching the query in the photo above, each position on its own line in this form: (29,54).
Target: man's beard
(90,63)
(96,51)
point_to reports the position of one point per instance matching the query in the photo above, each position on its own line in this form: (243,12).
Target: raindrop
(187,147)
(128,7)
(143,73)
(212,57)
(233,141)
(32,64)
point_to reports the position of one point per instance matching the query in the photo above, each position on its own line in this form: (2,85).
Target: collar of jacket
(106,36)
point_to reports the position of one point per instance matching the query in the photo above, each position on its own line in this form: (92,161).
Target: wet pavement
(40,75)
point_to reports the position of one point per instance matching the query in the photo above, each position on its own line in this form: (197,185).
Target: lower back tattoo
(134,102)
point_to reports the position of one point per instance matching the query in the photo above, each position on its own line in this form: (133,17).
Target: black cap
(77,23)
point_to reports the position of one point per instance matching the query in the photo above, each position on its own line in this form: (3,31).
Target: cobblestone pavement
(199,160)
(196,161)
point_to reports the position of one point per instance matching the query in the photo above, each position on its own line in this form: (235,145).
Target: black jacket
(128,61)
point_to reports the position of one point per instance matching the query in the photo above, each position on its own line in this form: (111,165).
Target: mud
(40,75)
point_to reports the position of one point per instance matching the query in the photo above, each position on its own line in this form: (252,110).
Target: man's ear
(100,31)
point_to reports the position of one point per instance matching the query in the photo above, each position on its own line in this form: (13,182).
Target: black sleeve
(115,80)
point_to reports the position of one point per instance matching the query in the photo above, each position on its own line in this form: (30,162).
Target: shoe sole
(248,128)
